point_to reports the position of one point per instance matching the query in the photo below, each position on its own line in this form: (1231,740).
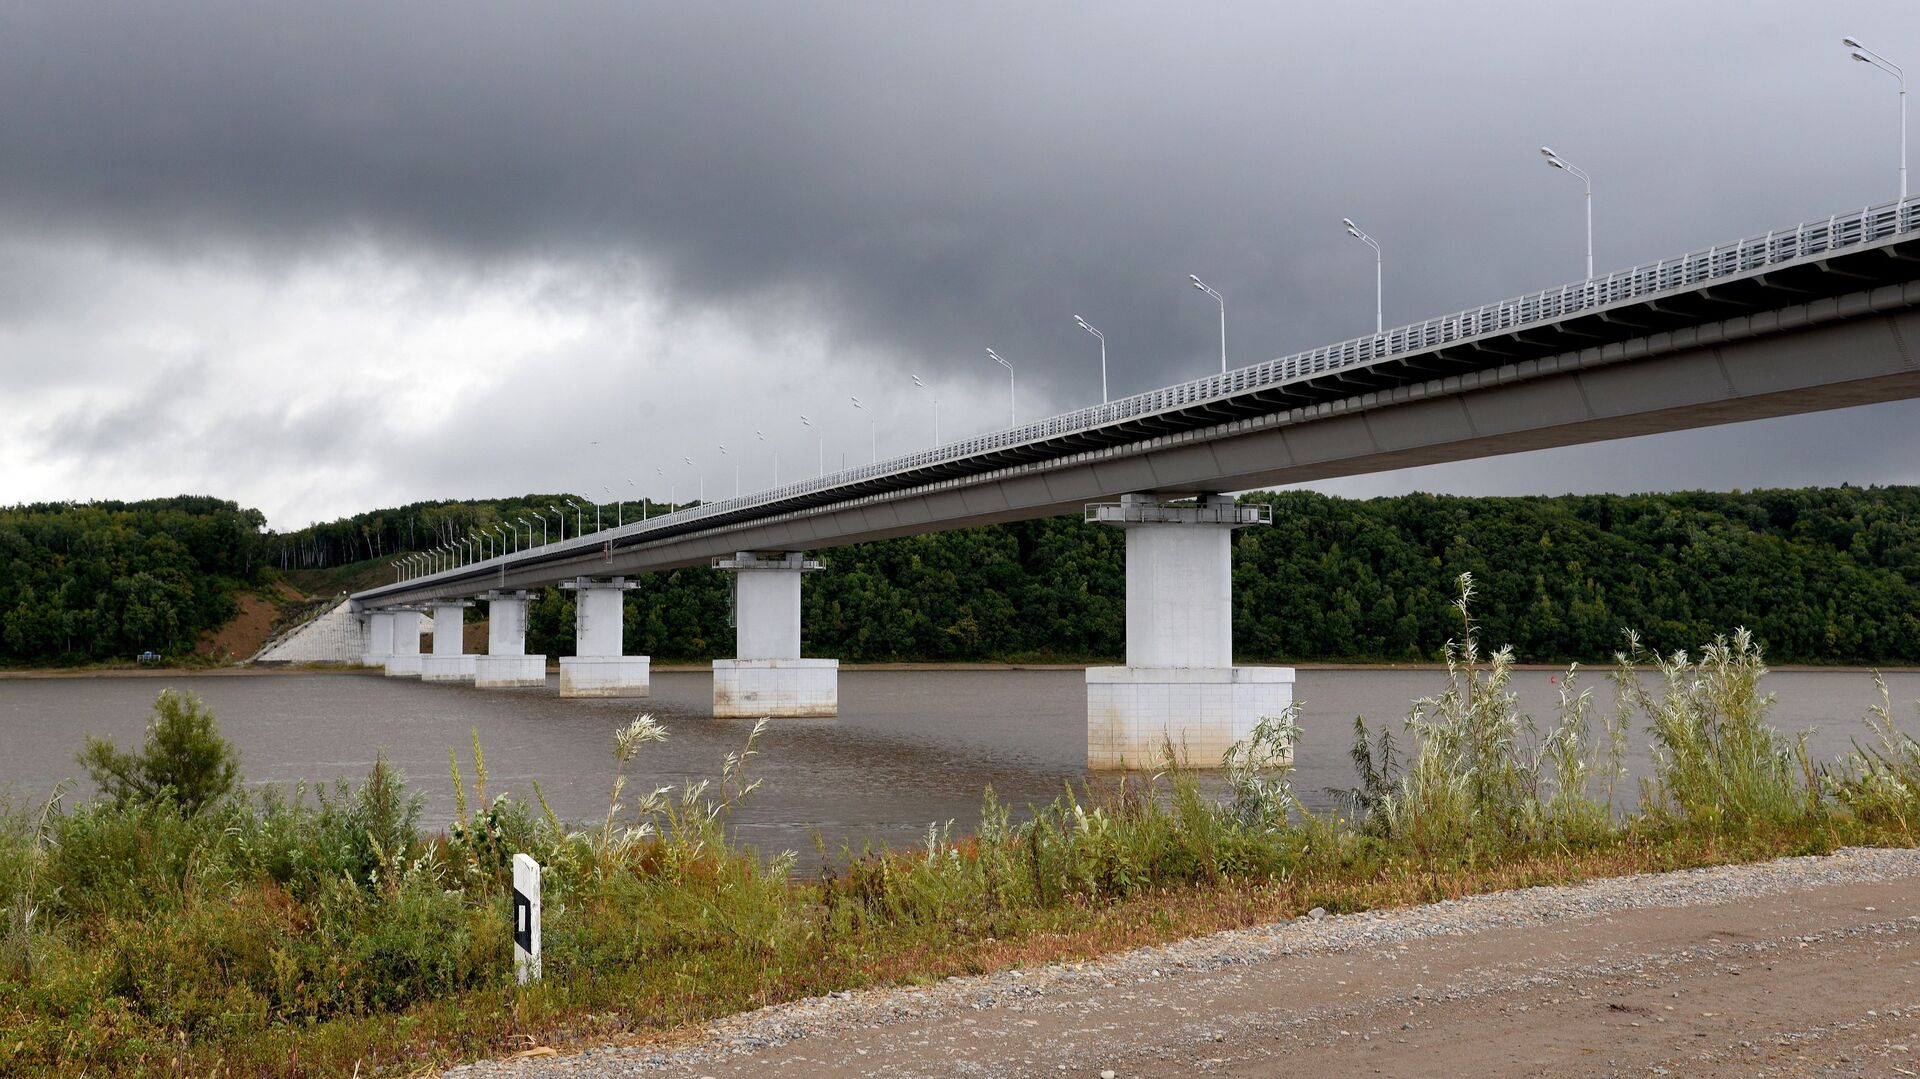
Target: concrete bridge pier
(379,639)
(769,678)
(404,660)
(1179,684)
(506,662)
(599,670)
(449,661)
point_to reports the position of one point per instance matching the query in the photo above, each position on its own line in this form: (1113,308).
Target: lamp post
(805,422)
(1353,230)
(736,470)
(555,510)
(1558,162)
(873,431)
(997,358)
(673,489)
(1087,326)
(642,499)
(1222,300)
(503,530)
(776,459)
(703,478)
(1874,59)
(936,408)
(543,530)
(578,518)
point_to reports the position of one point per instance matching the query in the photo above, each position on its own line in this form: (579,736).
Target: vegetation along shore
(181,924)
(1826,576)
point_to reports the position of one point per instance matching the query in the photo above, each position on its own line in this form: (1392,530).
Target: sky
(325,258)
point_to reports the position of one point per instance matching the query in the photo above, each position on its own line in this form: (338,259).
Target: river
(909,747)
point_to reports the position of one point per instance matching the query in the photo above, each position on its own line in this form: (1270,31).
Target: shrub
(1717,763)
(184,762)
(1880,782)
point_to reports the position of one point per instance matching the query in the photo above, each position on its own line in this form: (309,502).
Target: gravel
(1319,933)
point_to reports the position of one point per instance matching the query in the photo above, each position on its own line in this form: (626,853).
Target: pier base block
(497,672)
(400,666)
(605,676)
(751,688)
(445,668)
(1133,712)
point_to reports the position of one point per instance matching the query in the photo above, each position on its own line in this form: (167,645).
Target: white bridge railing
(1548,305)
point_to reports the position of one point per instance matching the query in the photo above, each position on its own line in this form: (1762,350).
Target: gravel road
(1797,967)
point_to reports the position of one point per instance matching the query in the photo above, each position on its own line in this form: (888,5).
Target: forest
(1820,575)
(104,580)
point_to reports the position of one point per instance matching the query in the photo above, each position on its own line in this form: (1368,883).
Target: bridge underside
(1837,352)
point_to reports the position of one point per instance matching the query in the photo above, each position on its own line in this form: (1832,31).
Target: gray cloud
(912,184)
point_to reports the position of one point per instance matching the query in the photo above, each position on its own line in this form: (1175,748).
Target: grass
(319,931)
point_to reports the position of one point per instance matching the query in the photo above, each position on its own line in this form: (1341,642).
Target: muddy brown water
(909,747)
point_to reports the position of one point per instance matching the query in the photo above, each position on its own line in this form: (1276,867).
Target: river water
(909,747)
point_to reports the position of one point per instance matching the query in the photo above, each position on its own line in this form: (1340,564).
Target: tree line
(1820,575)
(100,580)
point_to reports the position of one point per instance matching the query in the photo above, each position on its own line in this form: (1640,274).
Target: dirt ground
(246,632)
(1784,970)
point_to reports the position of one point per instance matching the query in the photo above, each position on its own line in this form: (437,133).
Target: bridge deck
(1813,262)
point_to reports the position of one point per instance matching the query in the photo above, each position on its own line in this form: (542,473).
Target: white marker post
(526,918)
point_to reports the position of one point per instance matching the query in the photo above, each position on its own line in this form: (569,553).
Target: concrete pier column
(379,639)
(404,661)
(769,678)
(449,661)
(506,662)
(1179,684)
(599,670)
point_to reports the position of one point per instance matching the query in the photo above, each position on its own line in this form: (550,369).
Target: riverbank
(266,928)
(269,670)
(1723,971)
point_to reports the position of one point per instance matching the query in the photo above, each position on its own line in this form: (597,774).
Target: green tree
(185,759)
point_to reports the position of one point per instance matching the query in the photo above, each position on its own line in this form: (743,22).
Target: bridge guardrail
(1775,247)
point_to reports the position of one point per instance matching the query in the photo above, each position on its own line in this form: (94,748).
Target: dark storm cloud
(938,179)
(332,256)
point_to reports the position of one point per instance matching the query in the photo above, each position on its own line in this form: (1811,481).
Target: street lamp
(1222,300)
(1087,326)
(1353,230)
(873,431)
(502,531)
(736,470)
(1558,162)
(642,499)
(673,490)
(997,358)
(578,518)
(703,478)
(1868,56)
(776,459)
(823,444)
(619,507)
(936,408)
(555,510)
(543,530)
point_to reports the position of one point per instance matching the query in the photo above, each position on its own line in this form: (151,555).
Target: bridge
(1822,315)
